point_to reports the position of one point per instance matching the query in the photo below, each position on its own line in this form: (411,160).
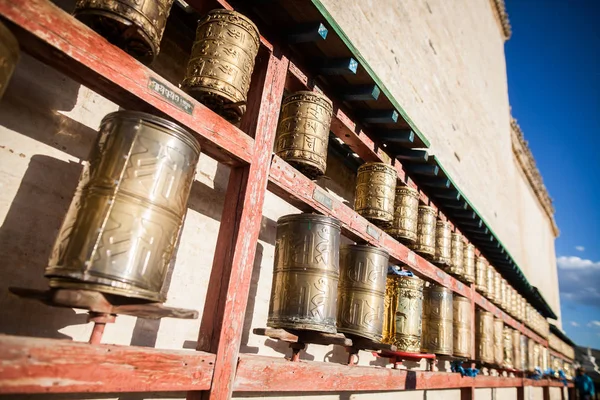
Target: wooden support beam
(380,116)
(464,215)
(472,223)
(361,93)
(438,183)
(451,194)
(456,205)
(417,156)
(339,66)
(397,136)
(305,33)
(427,169)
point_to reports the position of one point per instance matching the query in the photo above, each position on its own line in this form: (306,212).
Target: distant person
(584,384)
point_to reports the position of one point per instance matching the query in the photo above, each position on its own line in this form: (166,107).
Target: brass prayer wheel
(461,327)
(375,191)
(9,56)
(361,291)
(524,353)
(491,283)
(556,365)
(123,224)
(503,294)
(136,26)
(303,132)
(404,312)
(484,337)
(516,342)
(469,263)
(545,360)
(456,254)
(498,341)
(508,348)
(437,320)
(221,64)
(497,288)
(481,268)
(406,213)
(531,355)
(425,243)
(536,359)
(306,273)
(443,231)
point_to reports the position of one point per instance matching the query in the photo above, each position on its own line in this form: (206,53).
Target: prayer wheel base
(310,171)
(302,325)
(215,101)
(123,290)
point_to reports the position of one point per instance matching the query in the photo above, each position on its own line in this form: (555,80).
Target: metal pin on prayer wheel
(136,26)
(507,361)
(306,273)
(484,337)
(221,64)
(9,56)
(461,327)
(498,341)
(361,291)
(437,320)
(425,244)
(120,232)
(481,268)
(406,213)
(469,263)
(375,191)
(303,132)
(405,313)
(456,254)
(443,232)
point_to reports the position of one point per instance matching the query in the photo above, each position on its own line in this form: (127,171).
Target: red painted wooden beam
(559,355)
(33,365)
(58,39)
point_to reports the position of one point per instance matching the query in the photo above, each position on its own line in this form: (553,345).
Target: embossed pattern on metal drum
(462,327)
(389,309)
(469,263)
(305,273)
(221,64)
(503,294)
(531,355)
(491,283)
(361,291)
(524,353)
(545,358)
(457,254)
(516,342)
(484,337)
(508,349)
(375,192)
(437,320)
(136,26)
(425,244)
(121,229)
(9,56)
(406,214)
(498,341)
(405,313)
(481,267)
(497,288)
(303,132)
(443,232)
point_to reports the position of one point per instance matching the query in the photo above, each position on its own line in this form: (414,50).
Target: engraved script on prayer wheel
(481,267)
(437,320)
(498,341)
(484,337)
(443,232)
(469,263)
(361,291)
(406,213)
(9,56)
(456,254)
(375,191)
(425,243)
(462,326)
(221,64)
(136,26)
(405,313)
(306,273)
(303,132)
(123,224)
(508,348)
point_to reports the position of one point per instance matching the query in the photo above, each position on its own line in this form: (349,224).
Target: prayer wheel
(136,26)
(361,291)
(437,321)
(221,64)
(9,54)
(545,358)
(516,342)
(498,341)
(456,254)
(443,231)
(469,263)
(537,356)
(303,132)
(508,348)
(491,283)
(524,353)
(461,327)
(532,356)
(306,273)
(481,268)
(484,337)
(406,213)
(425,244)
(503,294)
(123,225)
(375,191)
(497,288)
(556,366)
(404,312)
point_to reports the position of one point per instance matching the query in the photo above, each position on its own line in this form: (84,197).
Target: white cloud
(579,248)
(594,323)
(579,280)
(573,262)
(573,323)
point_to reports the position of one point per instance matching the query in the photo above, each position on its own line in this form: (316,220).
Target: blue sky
(554,87)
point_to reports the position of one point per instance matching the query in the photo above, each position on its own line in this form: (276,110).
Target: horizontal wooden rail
(66,44)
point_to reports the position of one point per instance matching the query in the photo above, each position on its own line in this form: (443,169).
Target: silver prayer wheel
(481,268)
(443,231)
(461,327)
(221,64)
(375,191)
(361,291)
(406,213)
(120,232)
(136,26)
(484,337)
(437,321)
(469,263)
(425,244)
(303,132)
(508,348)
(306,273)
(457,246)
(498,341)
(9,56)
(404,312)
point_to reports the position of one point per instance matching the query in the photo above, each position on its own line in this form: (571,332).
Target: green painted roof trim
(367,67)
